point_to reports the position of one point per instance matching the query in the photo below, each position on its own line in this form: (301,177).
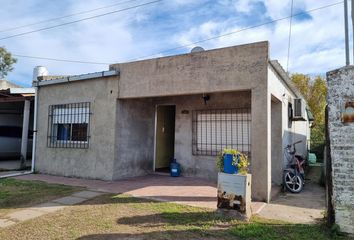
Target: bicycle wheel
(293,182)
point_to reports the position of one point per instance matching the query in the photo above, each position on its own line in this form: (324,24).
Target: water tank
(39,71)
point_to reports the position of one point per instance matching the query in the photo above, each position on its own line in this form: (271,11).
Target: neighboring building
(134,118)
(4,84)
(16,115)
(340,101)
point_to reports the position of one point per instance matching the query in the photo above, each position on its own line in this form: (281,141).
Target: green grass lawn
(123,217)
(16,194)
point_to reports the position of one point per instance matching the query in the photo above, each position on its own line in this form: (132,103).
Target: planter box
(234,192)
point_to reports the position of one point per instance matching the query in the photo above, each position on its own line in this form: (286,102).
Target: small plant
(239,160)
(243,164)
(335,230)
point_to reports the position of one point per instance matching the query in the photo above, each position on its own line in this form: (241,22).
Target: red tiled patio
(306,207)
(184,190)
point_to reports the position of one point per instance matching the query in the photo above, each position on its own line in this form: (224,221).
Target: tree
(314,90)
(6,62)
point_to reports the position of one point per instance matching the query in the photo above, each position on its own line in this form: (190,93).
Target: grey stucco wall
(341,90)
(134,138)
(277,139)
(290,133)
(297,130)
(136,129)
(193,165)
(97,160)
(233,68)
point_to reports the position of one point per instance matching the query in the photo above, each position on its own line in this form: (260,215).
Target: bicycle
(294,174)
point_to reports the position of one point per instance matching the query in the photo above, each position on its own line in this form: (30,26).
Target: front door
(165,137)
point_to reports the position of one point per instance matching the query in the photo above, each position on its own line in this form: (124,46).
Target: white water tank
(39,71)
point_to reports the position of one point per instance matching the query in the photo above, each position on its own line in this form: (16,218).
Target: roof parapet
(285,77)
(49,80)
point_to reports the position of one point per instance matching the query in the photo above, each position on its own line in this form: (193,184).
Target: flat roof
(57,80)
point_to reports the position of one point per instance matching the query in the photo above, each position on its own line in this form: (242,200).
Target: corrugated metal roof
(17,96)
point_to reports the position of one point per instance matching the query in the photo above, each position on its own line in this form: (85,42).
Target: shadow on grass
(245,231)
(190,234)
(192,219)
(180,216)
(126,199)
(207,224)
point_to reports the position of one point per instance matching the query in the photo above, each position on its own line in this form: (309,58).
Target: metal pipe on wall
(34,129)
(346,30)
(37,71)
(352,3)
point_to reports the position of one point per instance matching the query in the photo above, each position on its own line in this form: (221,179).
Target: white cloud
(244,6)
(317,44)
(105,39)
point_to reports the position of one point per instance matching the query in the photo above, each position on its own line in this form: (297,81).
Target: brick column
(341,136)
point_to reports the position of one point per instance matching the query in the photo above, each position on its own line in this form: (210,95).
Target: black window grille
(69,125)
(214,130)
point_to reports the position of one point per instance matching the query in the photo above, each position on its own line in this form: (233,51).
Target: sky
(317,40)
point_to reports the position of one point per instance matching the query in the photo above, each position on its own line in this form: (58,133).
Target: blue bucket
(228,167)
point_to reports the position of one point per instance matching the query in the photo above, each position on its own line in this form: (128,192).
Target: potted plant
(234,182)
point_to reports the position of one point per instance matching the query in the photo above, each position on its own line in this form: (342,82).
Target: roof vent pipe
(39,71)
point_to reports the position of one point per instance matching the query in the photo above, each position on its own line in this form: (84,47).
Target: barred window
(214,130)
(69,125)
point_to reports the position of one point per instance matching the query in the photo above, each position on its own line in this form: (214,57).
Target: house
(134,118)
(4,84)
(16,121)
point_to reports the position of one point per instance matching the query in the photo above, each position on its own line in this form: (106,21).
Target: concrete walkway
(45,208)
(305,207)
